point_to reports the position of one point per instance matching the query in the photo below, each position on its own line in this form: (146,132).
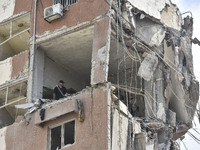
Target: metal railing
(16,99)
(65,2)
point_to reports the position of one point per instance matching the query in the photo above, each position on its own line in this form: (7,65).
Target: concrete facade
(95,105)
(130,63)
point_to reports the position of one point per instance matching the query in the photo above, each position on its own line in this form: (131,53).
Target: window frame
(62,124)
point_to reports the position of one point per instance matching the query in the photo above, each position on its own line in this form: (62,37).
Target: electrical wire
(167,61)
(193,137)
(156,146)
(160,55)
(118,66)
(184,145)
(139,94)
(124,60)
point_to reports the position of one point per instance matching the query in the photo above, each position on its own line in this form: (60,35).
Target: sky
(194,7)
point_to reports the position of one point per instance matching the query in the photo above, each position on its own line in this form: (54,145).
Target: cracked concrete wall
(171,17)
(149,31)
(162,10)
(100,51)
(38,79)
(178,51)
(170,89)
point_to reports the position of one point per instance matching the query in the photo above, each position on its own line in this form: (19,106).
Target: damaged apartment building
(130,62)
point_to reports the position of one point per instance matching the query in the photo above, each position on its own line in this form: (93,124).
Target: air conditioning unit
(54,12)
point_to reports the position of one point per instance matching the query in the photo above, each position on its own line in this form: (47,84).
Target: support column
(35,81)
(100,51)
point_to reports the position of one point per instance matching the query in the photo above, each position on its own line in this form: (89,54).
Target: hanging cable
(118,67)
(194,137)
(124,62)
(184,145)
(160,55)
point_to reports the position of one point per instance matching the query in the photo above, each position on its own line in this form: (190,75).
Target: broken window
(62,135)
(11,95)
(65,2)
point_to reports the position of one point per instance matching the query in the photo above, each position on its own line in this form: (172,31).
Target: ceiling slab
(72,51)
(18,25)
(19,43)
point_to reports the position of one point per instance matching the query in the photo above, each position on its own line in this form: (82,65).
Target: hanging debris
(148,66)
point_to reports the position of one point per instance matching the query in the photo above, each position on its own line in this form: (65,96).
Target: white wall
(6,9)
(53,72)
(5,70)
(7,67)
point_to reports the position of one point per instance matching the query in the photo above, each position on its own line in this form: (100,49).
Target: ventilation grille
(65,3)
(49,11)
(53,12)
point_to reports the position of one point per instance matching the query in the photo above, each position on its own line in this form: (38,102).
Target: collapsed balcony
(14,66)
(151,65)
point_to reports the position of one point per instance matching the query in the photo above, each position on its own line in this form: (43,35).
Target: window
(62,135)
(65,2)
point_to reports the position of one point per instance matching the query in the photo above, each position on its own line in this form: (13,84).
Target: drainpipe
(32,56)
(34,26)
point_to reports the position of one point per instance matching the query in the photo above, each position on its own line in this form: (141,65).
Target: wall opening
(69,132)
(68,58)
(56,138)
(10,96)
(14,36)
(123,70)
(62,135)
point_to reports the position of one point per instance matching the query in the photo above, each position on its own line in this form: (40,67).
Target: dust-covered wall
(54,72)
